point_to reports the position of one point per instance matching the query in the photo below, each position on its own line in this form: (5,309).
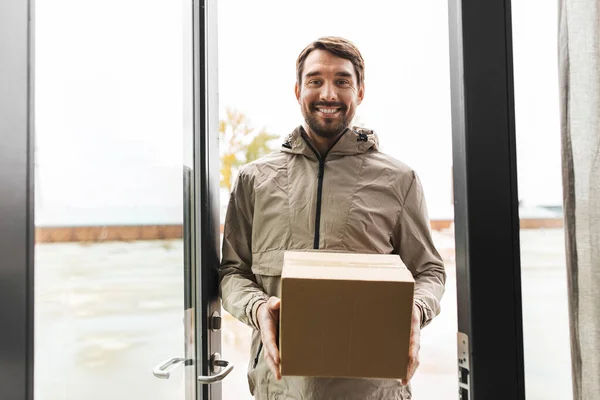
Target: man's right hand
(268,322)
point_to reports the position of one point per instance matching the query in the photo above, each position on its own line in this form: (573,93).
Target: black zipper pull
(260,346)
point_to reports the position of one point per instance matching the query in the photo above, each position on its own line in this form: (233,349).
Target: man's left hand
(415,345)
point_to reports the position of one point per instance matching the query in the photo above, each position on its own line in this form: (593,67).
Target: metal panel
(486,201)
(16,200)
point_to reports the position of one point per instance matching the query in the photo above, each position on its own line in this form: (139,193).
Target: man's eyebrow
(317,73)
(311,74)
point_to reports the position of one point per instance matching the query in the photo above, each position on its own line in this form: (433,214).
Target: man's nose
(328,92)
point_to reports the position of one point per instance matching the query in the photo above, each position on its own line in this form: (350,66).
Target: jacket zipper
(319,194)
(320,187)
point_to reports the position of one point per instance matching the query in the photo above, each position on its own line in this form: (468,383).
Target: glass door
(126,248)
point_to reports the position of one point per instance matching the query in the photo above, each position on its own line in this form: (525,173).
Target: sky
(111,87)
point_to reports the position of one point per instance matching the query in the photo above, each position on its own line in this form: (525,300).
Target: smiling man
(329,88)
(329,188)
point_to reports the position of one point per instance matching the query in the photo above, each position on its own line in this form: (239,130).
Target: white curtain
(579,58)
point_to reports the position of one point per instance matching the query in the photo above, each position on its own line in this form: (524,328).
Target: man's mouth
(328,111)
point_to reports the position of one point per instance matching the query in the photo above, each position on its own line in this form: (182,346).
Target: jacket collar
(353,141)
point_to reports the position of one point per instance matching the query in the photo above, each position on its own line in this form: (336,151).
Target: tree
(240,144)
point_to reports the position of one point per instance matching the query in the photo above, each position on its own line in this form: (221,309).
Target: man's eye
(343,82)
(314,82)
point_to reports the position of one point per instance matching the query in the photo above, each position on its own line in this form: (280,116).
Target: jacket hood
(353,141)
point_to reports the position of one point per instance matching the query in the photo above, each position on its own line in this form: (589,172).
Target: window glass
(108,171)
(543,261)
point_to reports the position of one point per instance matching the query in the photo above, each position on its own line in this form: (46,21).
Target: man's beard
(327,129)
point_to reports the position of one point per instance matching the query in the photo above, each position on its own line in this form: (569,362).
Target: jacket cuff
(426,313)
(252,308)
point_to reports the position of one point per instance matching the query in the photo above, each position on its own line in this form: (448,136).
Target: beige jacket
(356,199)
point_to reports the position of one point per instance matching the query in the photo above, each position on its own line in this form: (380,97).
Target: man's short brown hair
(338,46)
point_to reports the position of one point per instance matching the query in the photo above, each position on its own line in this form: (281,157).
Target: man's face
(328,93)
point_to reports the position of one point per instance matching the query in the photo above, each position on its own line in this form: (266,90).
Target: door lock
(214,322)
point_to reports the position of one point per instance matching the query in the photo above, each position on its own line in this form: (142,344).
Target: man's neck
(322,144)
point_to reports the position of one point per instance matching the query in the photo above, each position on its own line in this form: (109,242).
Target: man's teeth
(328,110)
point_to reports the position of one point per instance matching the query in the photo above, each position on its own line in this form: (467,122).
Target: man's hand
(268,322)
(415,345)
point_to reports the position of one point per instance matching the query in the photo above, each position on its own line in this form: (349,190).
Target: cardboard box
(345,315)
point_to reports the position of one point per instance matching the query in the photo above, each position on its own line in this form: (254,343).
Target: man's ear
(297,91)
(361,93)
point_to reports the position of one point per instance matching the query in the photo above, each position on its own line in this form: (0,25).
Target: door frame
(488,264)
(16,200)
(207,194)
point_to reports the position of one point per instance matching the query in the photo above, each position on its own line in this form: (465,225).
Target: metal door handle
(215,364)
(163,371)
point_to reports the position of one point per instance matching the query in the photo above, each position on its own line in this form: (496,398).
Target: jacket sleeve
(240,292)
(414,244)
